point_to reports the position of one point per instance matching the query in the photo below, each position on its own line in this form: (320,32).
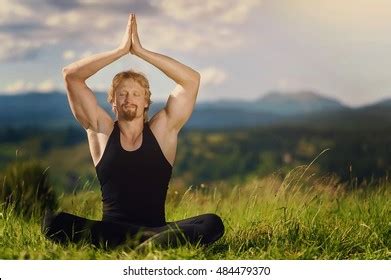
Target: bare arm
(82,101)
(181,101)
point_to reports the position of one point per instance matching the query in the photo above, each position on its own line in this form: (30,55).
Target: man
(133,156)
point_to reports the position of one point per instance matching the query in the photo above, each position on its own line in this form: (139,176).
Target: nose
(128,99)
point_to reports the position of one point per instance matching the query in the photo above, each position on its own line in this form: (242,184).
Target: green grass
(299,217)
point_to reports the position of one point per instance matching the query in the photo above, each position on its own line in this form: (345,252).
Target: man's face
(130,100)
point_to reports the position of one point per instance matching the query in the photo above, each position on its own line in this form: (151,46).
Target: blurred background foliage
(354,155)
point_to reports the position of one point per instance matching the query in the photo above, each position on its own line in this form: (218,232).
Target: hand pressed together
(130,40)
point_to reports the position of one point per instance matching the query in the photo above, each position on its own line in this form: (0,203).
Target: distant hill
(381,109)
(297,103)
(33,109)
(281,104)
(380,104)
(52,110)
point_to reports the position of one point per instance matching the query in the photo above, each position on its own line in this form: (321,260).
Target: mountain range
(52,110)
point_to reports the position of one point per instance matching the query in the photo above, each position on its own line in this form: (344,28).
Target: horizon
(229,99)
(241,48)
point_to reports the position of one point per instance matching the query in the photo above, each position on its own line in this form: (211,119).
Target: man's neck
(131,129)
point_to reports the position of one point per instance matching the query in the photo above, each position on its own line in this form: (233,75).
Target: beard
(129,113)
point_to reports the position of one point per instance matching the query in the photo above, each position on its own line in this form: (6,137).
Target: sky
(243,49)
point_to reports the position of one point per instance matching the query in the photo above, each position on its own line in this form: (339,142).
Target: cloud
(46,86)
(185,26)
(63,4)
(188,10)
(226,11)
(212,76)
(22,48)
(198,39)
(239,12)
(12,11)
(364,20)
(21,86)
(119,7)
(86,54)
(68,55)
(22,31)
(18,86)
(71,18)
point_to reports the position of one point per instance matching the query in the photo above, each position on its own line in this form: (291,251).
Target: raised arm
(180,103)
(82,101)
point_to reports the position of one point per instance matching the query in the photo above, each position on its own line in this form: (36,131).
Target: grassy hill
(301,216)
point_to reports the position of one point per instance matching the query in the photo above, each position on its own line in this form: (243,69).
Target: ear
(146,103)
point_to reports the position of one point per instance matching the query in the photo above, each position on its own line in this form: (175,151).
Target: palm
(135,44)
(126,42)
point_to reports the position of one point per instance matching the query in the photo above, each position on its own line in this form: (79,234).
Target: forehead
(129,84)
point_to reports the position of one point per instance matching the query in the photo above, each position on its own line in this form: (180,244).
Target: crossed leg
(203,229)
(64,227)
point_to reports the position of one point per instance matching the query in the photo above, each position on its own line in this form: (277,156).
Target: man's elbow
(197,77)
(66,73)
(195,80)
(69,73)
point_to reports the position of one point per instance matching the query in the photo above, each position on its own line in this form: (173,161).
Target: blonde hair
(135,76)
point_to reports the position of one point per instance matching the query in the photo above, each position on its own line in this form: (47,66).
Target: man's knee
(214,227)
(58,227)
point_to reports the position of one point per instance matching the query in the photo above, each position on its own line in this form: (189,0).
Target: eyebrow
(125,89)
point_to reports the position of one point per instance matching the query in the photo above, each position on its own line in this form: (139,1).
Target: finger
(134,24)
(130,20)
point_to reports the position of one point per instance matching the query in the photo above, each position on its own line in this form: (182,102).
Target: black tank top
(134,183)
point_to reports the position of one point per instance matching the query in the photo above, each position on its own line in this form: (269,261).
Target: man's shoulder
(166,137)
(158,121)
(159,124)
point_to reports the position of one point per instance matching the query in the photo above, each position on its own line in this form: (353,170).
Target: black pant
(64,227)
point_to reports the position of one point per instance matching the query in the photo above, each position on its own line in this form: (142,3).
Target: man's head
(130,95)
